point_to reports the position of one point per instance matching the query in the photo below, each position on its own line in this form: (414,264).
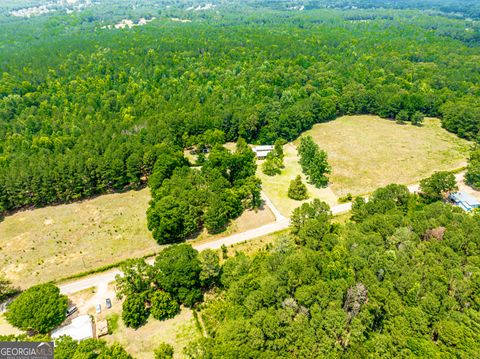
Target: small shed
(464,201)
(262,151)
(81,328)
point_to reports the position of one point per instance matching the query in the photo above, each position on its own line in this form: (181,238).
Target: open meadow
(367,152)
(55,242)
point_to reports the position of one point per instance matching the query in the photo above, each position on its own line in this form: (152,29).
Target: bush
(163,306)
(164,351)
(297,189)
(40,308)
(347,198)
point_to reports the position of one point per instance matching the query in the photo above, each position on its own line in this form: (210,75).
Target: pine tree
(297,189)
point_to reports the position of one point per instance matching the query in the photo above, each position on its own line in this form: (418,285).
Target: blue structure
(464,201)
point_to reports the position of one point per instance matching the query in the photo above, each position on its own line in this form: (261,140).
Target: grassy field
(276,187)
(141,342)
(55,242)
(367,152)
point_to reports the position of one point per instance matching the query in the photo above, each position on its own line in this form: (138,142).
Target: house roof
(465,198)
(263,148)
(80,328)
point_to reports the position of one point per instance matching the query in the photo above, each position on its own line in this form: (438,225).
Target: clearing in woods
(367,152)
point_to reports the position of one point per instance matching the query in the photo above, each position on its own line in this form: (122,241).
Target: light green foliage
(472,176)
(313,161)
(136,278)
(437,186)
(67,348)
(297,189)
(164,351)
(210,267)
(163,306)
(274,162)
(40,308)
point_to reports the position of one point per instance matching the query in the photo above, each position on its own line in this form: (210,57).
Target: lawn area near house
(367,152)
(51,243)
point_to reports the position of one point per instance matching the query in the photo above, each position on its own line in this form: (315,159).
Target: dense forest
(402,280)
(83,108)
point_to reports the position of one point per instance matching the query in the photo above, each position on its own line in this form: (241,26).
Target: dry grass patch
(142,342)
(367,152)
(51,243)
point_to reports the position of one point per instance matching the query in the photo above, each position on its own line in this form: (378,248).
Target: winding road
(101,280)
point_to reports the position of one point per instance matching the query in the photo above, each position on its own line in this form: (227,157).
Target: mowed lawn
(51,243)
(367,152)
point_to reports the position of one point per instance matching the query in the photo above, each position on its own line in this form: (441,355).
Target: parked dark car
(108,303)
(71,310)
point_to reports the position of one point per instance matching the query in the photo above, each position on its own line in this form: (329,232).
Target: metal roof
(263,148)
(465,198)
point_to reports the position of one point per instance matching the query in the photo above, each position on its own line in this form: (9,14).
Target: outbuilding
(262,151)
(464,201)
(81,328)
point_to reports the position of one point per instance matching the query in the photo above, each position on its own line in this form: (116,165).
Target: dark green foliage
(392,198)
(360,292)
(164,351)
(40,308)
(297,189)
(67,348)
(163,306)
(314,162)
(6,289)
(417,118)
(191,198)
(402,117)
(472,176)
(437,186)
(178,273)
(134,310)
(311,223)
(101,125)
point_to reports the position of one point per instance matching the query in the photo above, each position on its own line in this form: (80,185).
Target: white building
(81,328)
(262,151)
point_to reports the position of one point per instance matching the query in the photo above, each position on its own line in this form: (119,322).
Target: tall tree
(40,308)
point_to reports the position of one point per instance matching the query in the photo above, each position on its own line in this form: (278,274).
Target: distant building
(464,201)
(81,328)
(262,151)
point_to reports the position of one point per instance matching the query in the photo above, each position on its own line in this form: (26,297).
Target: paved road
(281,223)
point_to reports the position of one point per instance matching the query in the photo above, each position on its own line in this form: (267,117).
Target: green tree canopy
(437,186)
(297,189)
(163,306)
(40,308)
(178,273)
